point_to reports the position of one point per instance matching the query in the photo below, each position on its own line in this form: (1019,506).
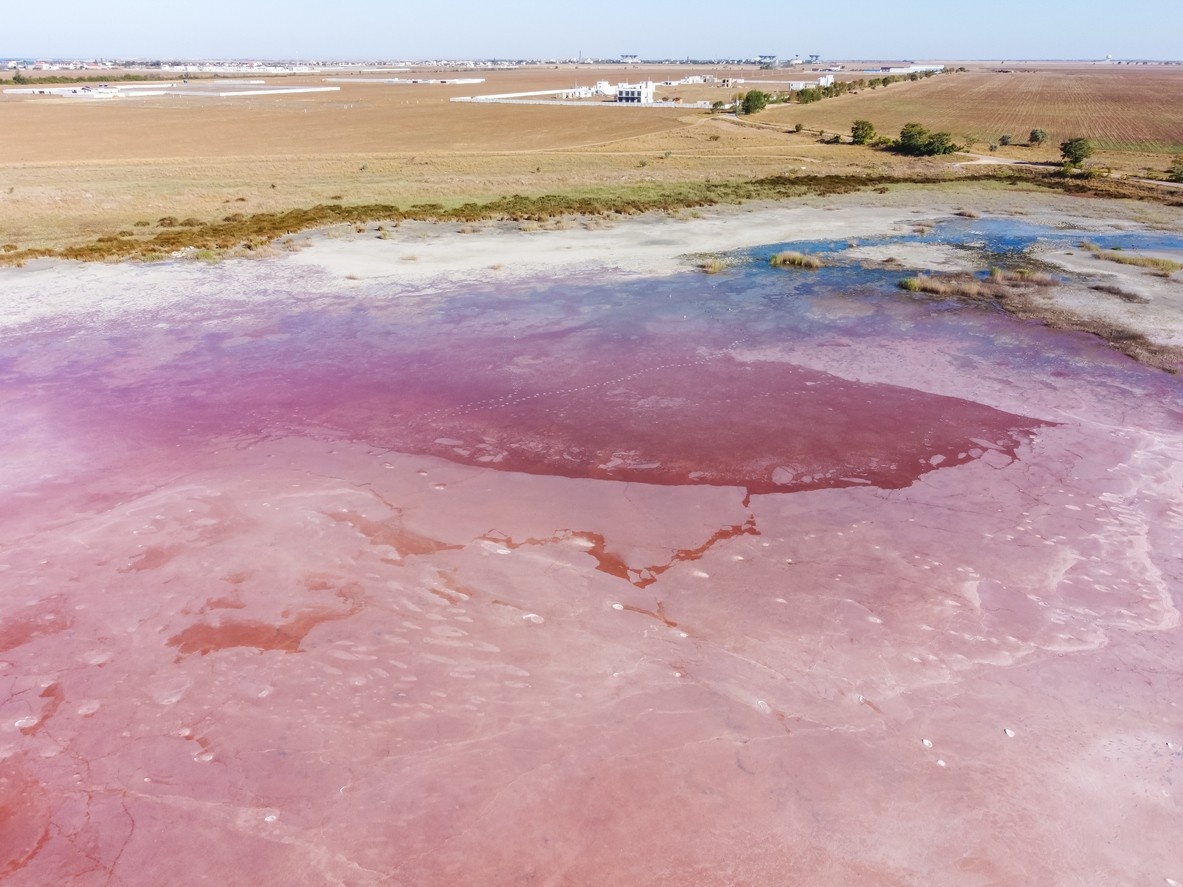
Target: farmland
(1133,110)
(73,171)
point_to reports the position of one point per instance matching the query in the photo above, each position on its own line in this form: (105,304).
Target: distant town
(49,66)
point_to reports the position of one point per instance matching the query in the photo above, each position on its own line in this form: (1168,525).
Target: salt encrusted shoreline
(424,257)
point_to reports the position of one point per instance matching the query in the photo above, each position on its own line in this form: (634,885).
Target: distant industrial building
(910,69)
(794,85)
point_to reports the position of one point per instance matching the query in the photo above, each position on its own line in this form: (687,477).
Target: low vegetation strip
(1165,266)
(19,79)
(249,232)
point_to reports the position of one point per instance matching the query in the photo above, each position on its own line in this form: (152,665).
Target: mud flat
(347,567)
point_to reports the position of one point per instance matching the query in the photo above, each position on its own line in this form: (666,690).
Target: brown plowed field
(1120,108)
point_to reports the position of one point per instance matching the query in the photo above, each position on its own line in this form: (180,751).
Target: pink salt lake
(687,581)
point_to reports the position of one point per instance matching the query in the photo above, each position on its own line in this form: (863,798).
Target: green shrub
(862,132)
(754,100)
(1076,150)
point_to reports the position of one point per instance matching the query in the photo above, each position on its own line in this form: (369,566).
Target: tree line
(916,141)
(22,79)
(757,100)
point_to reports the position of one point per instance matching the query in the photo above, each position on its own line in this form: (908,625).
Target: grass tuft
(1163,266)
(1022,276)
(791,259)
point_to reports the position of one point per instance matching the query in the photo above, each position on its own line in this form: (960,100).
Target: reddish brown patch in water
(154,558)
(38,620)
(56,697)
(25,817)
(391,534)
(767,427)
(205,637)
(614,564)
(657,613)
(229,602)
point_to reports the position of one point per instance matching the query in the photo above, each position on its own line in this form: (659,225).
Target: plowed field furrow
(1135,109)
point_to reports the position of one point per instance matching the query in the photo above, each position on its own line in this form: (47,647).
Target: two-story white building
(636,93)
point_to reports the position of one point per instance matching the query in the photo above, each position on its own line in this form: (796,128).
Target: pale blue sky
(363,29)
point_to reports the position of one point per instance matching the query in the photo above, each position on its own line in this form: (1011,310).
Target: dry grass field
(72,171)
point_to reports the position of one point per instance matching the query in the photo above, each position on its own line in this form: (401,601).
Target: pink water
(661,582)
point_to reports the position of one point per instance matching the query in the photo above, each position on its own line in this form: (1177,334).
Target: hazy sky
(363,29)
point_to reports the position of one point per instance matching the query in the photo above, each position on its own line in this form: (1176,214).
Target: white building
(635,93)
(913,69)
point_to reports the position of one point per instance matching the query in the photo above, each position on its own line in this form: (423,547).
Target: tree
(1175,172)
(919,142)
(912,139)
(1004,139)
(754,100)
(1076,151)
(862,132)
(939,143)
(1037,137)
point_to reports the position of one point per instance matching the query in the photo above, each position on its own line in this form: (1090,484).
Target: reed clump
(999,285)
(1022,276)
(791,259)
(958,286)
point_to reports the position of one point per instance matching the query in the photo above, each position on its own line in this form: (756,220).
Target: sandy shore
(426,257)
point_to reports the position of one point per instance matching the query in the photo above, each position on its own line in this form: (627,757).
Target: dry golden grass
(792,259)
(999,286)
(362,118)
